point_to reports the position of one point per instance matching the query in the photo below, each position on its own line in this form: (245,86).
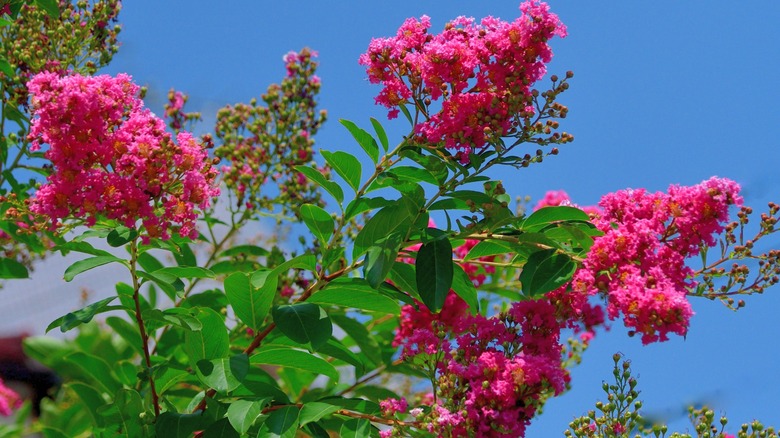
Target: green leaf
(314,411)
(434,271)
(211,342)
(87,264)
(404,276)
(393,219)
(183,253)
(356,428)
(50,6)
(304,323)
(148,262)
(123,414)
(463,286)
(355,293)
(96,369)
(335,349)
(543,217)
(12,113)
(168,283)
(353,404)
(120,236)
(242,414)
(250,304)
(177,316)
(220,429)
(359,333)
(47,350)
(91,398)
(173,425)
(83,247)
(413,174)
(380,259)
(316,177)
(10,268)
(360,205)
(380,133)
(346,165)
(6,68)
(487,248)
(81,316)
(544,271)
(407,114)
(303,261)
(364,139)
(282,423)
(223,374)
(244,250)
(319,222)
(126,330)
(184,272)
(296,359)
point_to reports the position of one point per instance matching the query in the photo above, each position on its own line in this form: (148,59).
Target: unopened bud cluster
(36,42)
(262,144)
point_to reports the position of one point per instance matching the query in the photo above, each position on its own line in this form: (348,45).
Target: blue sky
(664,92)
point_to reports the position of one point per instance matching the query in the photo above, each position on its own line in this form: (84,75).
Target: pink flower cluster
(482,72)
(9,400)
(493,371)
(639,262)
(112,158)
(454,308)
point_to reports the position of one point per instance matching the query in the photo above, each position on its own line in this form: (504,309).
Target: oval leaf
(316,177)
(211,342)
(545,271)
(346,165)
(250,304)
(223,374)
(319,222)
(434,272)
(296,359)
(548,215)
(304,323)
(355,293)
(364,139)
(87,264)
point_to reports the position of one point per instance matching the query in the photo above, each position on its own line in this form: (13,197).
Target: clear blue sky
(664,92)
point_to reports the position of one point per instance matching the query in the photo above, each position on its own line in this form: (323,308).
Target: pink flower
(481,72)
(9,400)
(639,262)
(391,406)
(112,158)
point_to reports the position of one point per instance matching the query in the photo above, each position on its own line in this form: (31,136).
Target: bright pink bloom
(481,72)
(391,406)
(9,400)
(112,158)
(639,262)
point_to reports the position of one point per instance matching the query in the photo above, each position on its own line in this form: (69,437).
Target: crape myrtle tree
(384,322)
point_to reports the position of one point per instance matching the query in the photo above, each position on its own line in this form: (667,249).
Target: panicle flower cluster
(492,374)
(481,71)
(267,142)
(9,400)
(639,262)
(112,157)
